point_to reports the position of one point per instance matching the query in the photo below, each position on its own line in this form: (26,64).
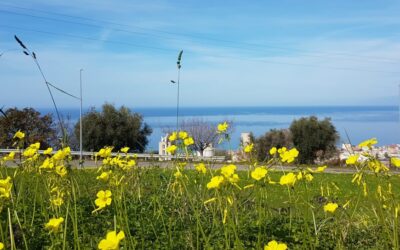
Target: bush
(118,128)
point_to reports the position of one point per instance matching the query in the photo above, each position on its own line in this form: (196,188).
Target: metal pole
(80,121)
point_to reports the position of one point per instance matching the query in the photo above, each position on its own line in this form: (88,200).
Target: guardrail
(140,156)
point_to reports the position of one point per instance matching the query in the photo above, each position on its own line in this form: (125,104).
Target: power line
(207,55)
(252,45)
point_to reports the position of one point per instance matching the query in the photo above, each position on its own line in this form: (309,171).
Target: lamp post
(80,120)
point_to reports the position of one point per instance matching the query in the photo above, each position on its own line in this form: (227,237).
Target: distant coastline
(360,122)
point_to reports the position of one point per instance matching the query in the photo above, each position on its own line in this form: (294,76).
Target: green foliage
(37,128)
(273,138)
(160,220)
(313,138)
(118,128)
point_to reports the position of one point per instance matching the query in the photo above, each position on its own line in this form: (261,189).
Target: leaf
(26,53)
(34,55)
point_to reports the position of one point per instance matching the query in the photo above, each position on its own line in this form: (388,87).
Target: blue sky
(236,53)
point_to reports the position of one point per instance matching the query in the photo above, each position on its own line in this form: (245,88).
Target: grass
(158,210)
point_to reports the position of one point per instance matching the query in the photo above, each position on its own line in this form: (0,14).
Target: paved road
(169,164)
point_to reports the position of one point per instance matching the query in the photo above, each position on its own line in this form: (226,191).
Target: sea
(354,123)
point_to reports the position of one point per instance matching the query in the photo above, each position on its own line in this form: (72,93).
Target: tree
(312,137)
(37,128)
(112,127)
(204,133)
(273,138)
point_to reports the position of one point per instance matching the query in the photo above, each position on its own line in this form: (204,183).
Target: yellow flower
(178,174)
(320,169)
(31,150)
(234,178)
(47,164)
(183,135)
(368,143)
(248,148)
(377,166)
(5,187)
(105,152)
(222,127)
(215,182)
(395,162)
(35,145)
(9,157)
(352,159)
(228,170)
(124,150)
(274,245)
(57,201)
(20,135)
(62,153)
(289,156)
(288,179)
(259,173)
(188,141)
(173,137)
(309,177)
(1,246)
(331,207)
(282,150)
(61,171)
(48,151)
(272,151)
(299,176)
(103,199)
(54,224)
(201,168)
(104,176)
(111,242)
(129,165)
(171,149)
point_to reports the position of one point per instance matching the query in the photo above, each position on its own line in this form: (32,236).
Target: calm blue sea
(360,123)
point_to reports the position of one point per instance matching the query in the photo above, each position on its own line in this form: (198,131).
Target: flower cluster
(5,187)
(179,140)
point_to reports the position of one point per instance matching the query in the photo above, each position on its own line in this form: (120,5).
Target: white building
(207,152)
(245,138)
(163,145)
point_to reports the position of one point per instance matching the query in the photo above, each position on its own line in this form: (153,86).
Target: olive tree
(113,127)
(313,138)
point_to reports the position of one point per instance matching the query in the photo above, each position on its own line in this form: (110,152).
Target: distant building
(163,145)
(207,152)
(245,138)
